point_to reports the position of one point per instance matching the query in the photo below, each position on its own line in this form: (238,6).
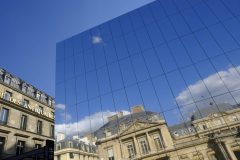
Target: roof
(205,111)
(186,127)
(76,144)
(127,120)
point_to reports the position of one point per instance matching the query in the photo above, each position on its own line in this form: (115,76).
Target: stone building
(145,135)
(26,116)
(75,149)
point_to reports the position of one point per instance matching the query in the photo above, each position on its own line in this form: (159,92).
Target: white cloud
(215,85)
(60,106)
(86,124)
(66,116)
(96,40)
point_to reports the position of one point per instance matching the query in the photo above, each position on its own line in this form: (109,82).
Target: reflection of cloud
(60,106)
(66,116)
(215,85)
(96,40)
(87,124)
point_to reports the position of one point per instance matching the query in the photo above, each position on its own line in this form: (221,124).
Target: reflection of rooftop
(205,111)
(187,128)
(70,143)
(123,121)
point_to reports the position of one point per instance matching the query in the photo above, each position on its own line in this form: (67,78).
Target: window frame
(23,124)
(41,126)
(1,117)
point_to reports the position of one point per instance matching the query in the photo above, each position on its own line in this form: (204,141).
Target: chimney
(137,109)
(115,116)
(60,136)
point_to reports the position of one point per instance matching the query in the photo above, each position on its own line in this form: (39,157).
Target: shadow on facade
(28,153)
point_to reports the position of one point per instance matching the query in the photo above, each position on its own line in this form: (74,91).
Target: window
(71,155)
(24,87)
(37,146)
(59,147)
(110,154)
(2,143)
(25,103)
(7,79)
(7,95)
(39,127)
(49,102)
(38,95)
(70,145)
(204,126)
(40,109)
(58,157)
(107,132)
(131,151)
(20,147)
(4,115)
(159,142)
(23,122)
(52,131)
(144,147)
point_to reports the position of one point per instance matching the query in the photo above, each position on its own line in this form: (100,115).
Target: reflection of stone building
(145,135)
(75,149)
(26,116)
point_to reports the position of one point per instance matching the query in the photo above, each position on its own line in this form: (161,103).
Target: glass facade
(177,58)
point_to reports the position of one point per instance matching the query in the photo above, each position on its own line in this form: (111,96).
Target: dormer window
(59,147)
(15,83)
(7,79)
(24,87)
(176,133)
(49,101)
(30,91)
(107,132)
(70,145)
(43,97)
(37,95)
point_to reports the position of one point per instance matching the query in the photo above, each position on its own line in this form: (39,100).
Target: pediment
(137,126)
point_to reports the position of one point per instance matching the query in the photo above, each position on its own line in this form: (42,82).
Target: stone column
(137,147)
(230,152)
(149,140)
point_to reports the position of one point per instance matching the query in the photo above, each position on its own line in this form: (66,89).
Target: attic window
(107,132)
(204,126)
(70,145)
(176,133)
(7,79)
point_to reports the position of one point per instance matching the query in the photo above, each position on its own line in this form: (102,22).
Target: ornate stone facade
(214,137)
(26,122)
(75,149)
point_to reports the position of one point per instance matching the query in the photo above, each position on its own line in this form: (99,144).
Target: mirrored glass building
(160,82)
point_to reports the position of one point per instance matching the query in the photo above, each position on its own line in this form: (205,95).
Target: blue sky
(171,57)
(30,30)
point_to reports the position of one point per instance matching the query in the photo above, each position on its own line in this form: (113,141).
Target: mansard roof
(23,87)
(127,120)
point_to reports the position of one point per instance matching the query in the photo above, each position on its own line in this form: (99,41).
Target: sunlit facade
(26,116)
(177,60)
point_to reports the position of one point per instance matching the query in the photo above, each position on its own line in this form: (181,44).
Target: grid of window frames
(177,58)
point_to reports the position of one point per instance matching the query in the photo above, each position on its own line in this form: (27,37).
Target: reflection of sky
(172,65)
